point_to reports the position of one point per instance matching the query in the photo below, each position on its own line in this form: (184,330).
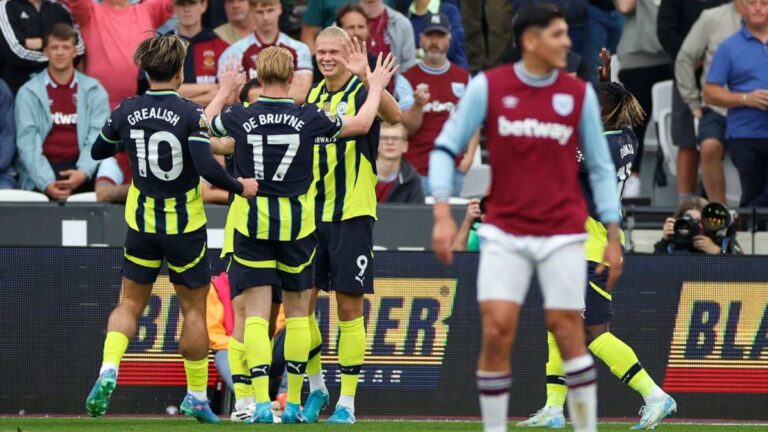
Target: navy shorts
(285,265)
(598,301)
(344,261)
(712,125)
(185,255)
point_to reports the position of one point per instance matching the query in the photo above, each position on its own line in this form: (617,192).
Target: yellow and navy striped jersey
(623,145)
(156,129)
(274,143)
(345,169)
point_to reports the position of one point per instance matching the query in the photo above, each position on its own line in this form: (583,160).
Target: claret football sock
(115,345)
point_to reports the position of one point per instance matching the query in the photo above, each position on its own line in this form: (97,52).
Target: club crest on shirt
(562,103)
(209,60)
(203,122)
(510,102)
(341,108)
(458,88)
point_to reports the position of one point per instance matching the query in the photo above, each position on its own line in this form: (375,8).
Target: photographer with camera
(467,239)
(698,226)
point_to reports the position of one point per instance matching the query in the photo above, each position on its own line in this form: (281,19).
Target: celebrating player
(536,119)
(620,111)
(345,213)
(274,240)
(167,140)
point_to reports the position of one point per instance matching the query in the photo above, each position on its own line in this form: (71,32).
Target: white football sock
(316,382)
(581,376)
(494,399)
(107,366)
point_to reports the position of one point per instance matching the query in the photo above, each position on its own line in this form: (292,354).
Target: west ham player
(166,139)
(535,117)
(266,16)
(620,110)
(345,170)
(274,240)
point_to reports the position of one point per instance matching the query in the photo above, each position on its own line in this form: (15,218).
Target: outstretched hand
(385,70)
(356,58)
(604,71)
(231,79)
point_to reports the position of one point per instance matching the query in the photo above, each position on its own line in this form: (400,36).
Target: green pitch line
(188,425)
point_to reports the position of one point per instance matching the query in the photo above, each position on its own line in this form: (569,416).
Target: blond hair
(274,65)
(162,57)
(332,32)
(254,3)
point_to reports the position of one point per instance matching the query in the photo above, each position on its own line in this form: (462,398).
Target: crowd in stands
(65,64)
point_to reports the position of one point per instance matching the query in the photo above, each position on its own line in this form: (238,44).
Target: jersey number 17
(260,141)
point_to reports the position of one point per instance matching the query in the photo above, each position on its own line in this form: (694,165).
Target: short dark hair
(348,9)
(61,31)
(247,87)
(540,15)
(161,56)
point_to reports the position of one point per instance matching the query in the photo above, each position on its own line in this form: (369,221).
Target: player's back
(274,143)
(155,129)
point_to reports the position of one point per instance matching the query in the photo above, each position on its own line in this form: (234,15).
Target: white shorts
(507,263)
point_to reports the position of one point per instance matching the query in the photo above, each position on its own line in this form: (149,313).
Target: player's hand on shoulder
(379,78)
(250,187)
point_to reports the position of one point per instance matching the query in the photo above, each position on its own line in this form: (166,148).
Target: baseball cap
(437,22)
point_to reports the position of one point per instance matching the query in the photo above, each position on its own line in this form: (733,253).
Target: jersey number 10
(259,141)
(150,151)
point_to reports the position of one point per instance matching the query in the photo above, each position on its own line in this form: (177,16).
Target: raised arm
(377,81)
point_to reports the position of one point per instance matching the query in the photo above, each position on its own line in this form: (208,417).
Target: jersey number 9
(259,141)
(149,151)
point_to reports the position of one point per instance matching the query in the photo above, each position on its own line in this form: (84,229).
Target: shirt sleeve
(720,67)
(452,141)
(597,158)
(303,58)
(322,124)
(200,151)
(217,123)
(109,170)
(403,92)
(108,142)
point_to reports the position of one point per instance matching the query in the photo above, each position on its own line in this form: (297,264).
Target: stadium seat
(669,150)
(661,95)
(82,197)
(732,182)
(16,195)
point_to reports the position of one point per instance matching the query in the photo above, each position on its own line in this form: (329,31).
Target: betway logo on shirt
(533,128)
(437,106)
(62,119)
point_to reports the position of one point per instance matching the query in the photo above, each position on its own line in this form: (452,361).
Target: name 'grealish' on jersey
(274,143)
(166,139)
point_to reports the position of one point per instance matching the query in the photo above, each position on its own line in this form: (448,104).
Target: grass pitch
(20,424)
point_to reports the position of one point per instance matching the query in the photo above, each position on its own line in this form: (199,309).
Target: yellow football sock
(622,361)
(314,364)
(297,337)
(258,355)
(197,375)
(557,389)
(241,376)
(115,345)
(351,354)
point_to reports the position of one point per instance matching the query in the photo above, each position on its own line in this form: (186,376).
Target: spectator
(699,241)
(419,13)
(444,83)
(239,21)
(737,81)
(266,15)
(390,31)
(113,179)
(643,63)
(321,14)
(112,30)
(59,113)
(352,19)
(24,24)
(712,27)
(487,31)
(7,138)
(203,53)
(467,238)
(676,17)
(398,181)
(604,26)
